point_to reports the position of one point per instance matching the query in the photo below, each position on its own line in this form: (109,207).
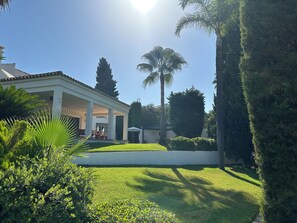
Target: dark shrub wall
(269,72)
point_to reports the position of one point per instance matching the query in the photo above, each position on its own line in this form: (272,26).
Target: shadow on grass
(241,178)
(250,172)
(196,200)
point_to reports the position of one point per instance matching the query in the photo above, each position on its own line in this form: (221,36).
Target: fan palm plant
(210,15)
(41,135)
(161,64)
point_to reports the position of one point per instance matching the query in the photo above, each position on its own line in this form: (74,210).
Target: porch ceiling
(75,105)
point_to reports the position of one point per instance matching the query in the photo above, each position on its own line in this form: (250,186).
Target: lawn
(105,147)
(194,194)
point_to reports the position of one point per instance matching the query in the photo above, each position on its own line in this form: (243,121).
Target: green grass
(103,147)
(194,194)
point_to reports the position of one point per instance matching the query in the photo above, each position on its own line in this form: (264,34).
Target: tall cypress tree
(269,72)
(105,82)
(238,137)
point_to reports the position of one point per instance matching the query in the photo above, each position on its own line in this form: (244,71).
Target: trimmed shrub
(195,144)
(131,211)
(205,144)
(187,112)
(45,190)
(182,143)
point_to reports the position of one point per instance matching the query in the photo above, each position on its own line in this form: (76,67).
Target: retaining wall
(149,158)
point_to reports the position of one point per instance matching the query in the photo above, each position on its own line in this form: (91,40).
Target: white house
(61,91)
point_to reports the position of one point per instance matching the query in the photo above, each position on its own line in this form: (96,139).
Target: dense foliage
(269,72)
(38,182)
(13,143)
(210,124)
(17,102)
(134,117)
(187,112)
(45,190)
(132,211)
(104,78)
(194,144)
(161,63)
(238,137)
(150,115)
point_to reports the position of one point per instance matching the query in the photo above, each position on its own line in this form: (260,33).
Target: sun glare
(143,5)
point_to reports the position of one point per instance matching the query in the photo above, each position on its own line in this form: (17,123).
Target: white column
(57,102)
(125,127)
(89,118)
(111,128)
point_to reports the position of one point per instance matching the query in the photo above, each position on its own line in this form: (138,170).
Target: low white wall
(149,158)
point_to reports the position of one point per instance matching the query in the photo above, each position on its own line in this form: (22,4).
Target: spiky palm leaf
(51,132)
(209,15)
(44,134)
(17,102)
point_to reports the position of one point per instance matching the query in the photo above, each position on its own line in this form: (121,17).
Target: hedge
(269,73)
(194,144)
(131,211)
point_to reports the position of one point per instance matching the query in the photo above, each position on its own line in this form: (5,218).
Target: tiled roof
(57,73)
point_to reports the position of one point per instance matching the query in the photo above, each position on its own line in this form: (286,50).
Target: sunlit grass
(194,194)
(126,147)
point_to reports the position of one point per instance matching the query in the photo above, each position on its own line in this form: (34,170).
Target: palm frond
(148,68)
(168,79)
(195,3)
(151,79)
(78,148)
(4,4)
(150,59)
(194,20)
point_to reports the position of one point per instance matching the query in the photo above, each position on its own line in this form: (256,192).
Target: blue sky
(71,35)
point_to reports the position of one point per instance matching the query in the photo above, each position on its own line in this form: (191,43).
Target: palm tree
(210,15)
(4,4)
(161,65)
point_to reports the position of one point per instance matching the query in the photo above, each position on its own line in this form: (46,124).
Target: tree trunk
(220,102)
(162,113)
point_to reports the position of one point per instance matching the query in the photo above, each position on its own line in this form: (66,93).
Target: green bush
(45,190)
(131,211)
(181,143)
(205,144)
(195,144)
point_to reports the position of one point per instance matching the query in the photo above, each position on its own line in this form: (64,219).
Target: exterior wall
(152,136)
(162,158)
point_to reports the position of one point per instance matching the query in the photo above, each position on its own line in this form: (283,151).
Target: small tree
(105,82)
(187,112)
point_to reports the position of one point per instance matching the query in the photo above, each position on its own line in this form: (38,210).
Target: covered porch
(87,106)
